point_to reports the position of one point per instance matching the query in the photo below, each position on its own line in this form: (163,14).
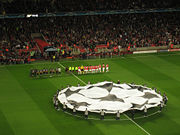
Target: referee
(82,69)
(72,69)
(76,69)
(69,69)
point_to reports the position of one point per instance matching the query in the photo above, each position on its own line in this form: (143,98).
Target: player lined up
(90,69)
(45,71)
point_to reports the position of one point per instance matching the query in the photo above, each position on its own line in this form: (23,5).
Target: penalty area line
(123,113)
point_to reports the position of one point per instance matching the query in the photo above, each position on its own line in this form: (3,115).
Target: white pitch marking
(137,125)
(123,113)
(73,74)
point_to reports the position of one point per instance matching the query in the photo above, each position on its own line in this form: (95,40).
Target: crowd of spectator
(135,30)
(43,6)
(140,30)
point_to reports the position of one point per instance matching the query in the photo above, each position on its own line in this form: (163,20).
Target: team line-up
(89,69)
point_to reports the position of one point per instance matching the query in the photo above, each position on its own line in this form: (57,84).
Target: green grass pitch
(26,104)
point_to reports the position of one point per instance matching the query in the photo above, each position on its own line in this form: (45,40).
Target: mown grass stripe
(41,91)
(5,128)
(155,78)
(21,111)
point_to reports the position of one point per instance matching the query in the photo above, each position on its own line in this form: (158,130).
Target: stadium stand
(39,6)
(85,34)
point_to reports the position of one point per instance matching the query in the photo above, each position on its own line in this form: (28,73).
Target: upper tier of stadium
(41,6)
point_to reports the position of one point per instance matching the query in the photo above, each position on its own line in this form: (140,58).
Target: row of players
(90,69)
(36,72)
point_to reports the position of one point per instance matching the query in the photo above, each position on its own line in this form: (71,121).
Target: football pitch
(26,106)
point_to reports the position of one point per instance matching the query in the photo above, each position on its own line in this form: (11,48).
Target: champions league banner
(110,97)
